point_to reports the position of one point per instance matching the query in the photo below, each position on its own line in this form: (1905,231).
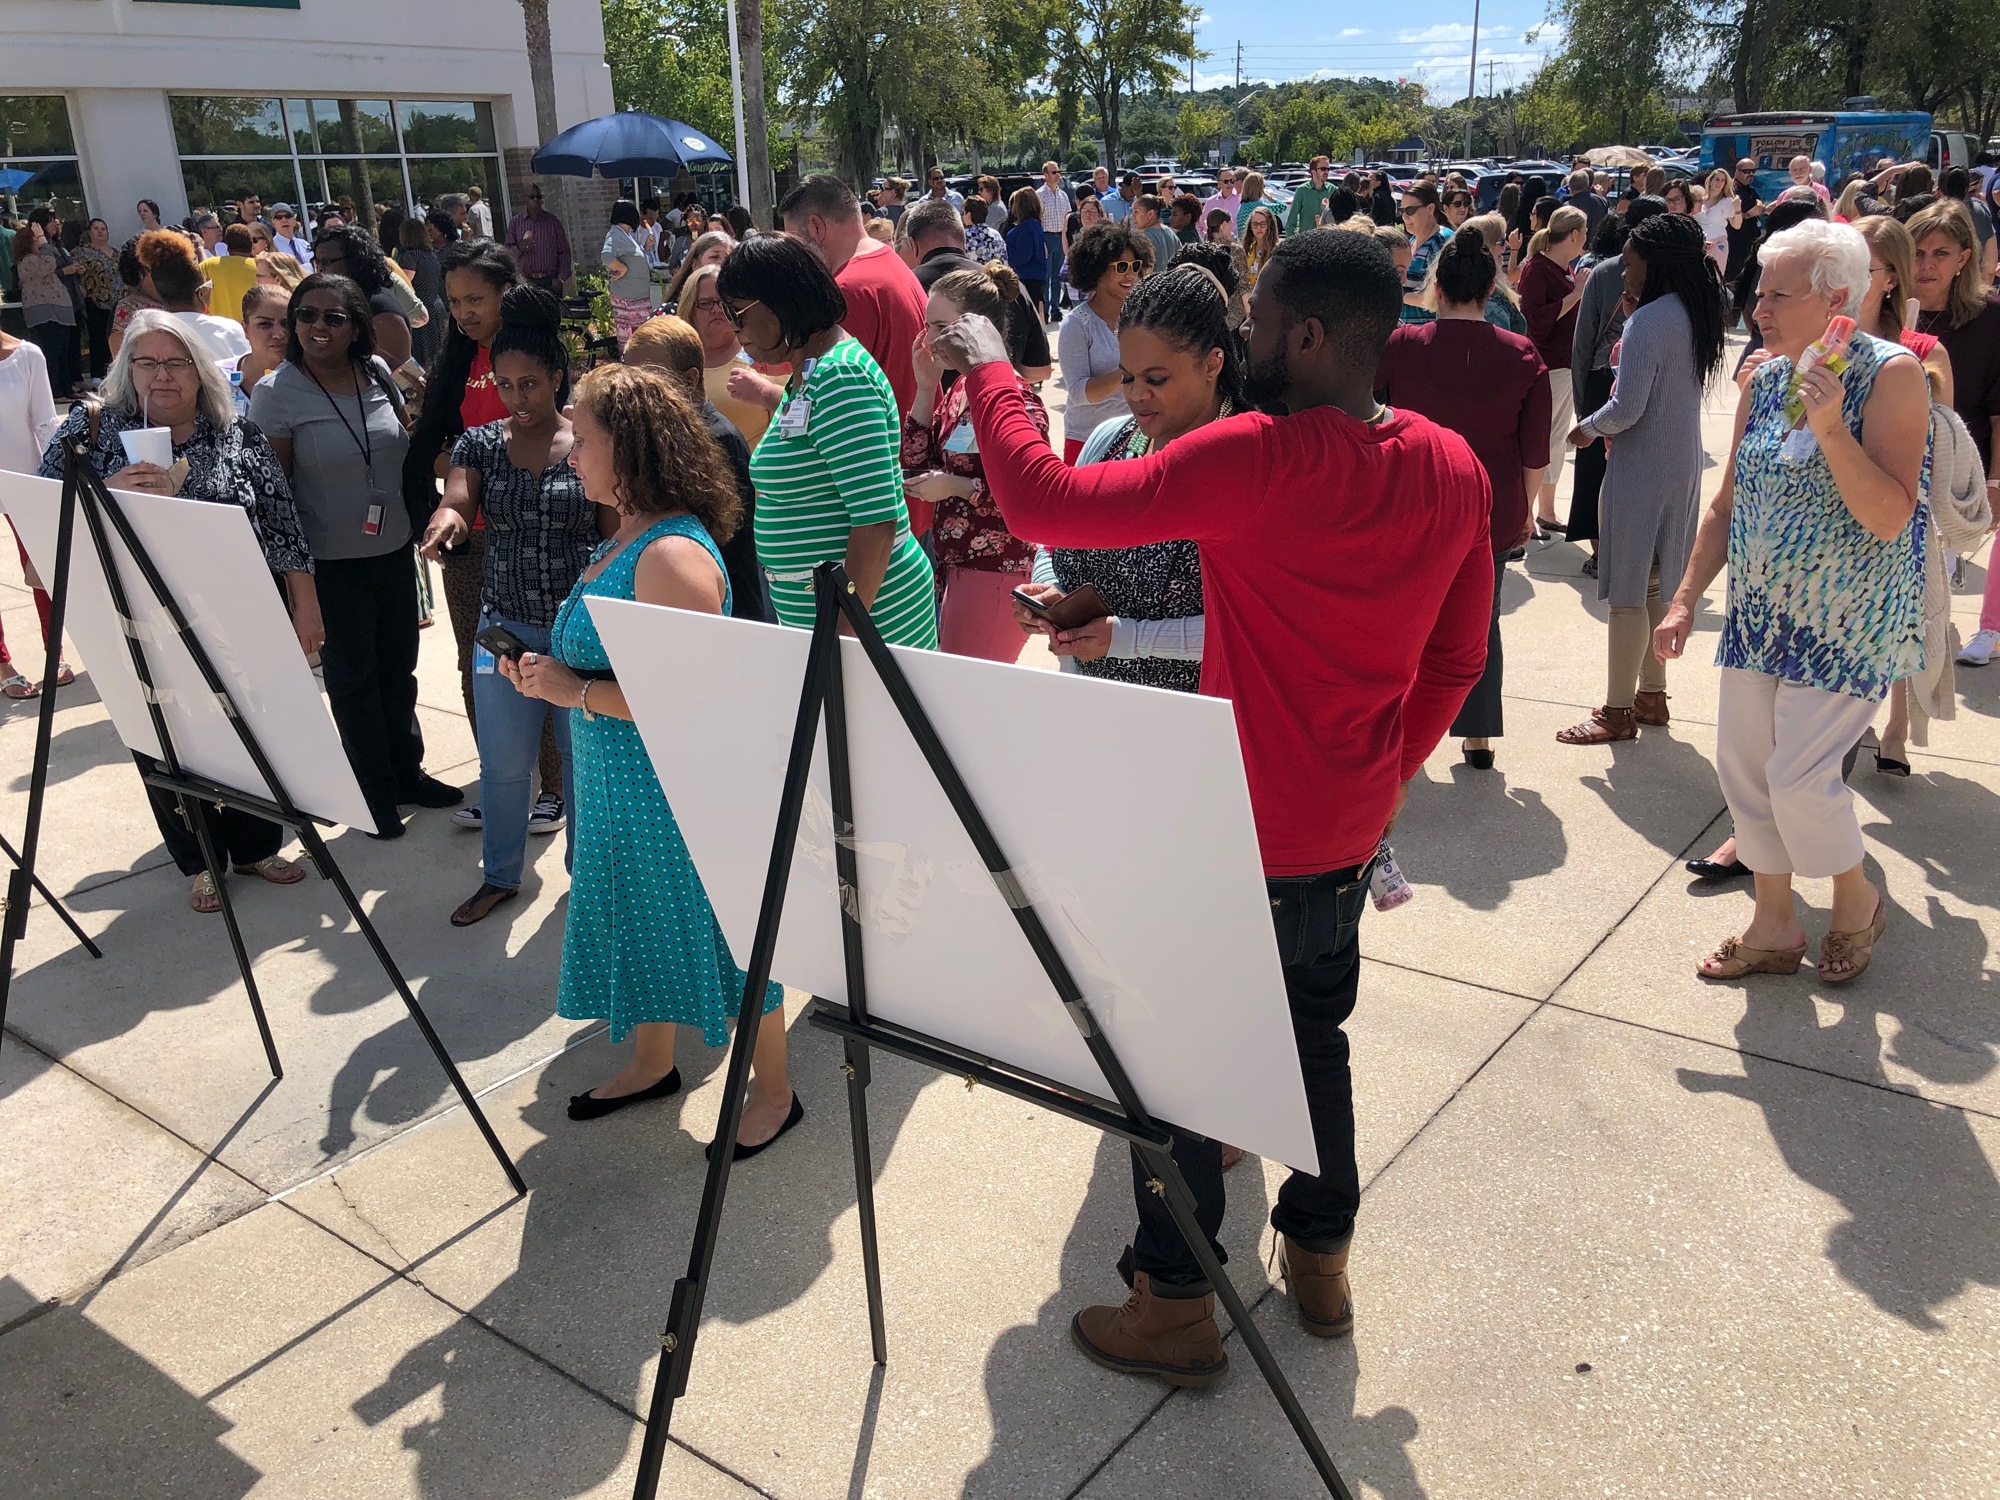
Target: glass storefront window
(38,156)
(211,125)
(366,154)
(35,125)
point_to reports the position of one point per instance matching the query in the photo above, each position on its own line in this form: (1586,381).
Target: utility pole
(1239,65)
(1190,72)
(1472,79)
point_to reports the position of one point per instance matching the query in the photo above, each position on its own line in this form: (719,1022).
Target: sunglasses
(735,314)
(333,318)
(1410,208)
(1122,267)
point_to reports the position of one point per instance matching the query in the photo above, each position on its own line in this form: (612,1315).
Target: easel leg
(857,1070)
(322,857)
(191,815)
(1180,1203)
(54,905)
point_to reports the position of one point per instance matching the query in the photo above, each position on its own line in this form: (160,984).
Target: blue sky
(1424,40)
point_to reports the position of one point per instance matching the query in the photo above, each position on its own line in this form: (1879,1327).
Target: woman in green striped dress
(828,470)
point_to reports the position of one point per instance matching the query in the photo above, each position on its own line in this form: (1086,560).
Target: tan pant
(1778,749)
(1633,664)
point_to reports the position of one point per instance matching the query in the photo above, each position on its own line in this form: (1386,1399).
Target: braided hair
(1188,306)
(1675,253)
(531,324)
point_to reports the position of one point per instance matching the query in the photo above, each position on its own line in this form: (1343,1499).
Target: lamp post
(1236,116)
(1472,80)
(736,101)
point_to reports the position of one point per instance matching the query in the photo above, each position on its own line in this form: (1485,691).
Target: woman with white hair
(1821,517)
(163,377)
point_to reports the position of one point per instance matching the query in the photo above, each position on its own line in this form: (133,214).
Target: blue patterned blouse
(1814,597)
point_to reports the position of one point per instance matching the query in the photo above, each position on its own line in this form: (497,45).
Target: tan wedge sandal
(1856,948)
(1733,960)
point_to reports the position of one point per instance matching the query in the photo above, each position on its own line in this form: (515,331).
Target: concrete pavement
(1624,1233)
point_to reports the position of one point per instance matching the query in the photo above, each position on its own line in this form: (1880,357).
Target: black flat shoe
(1891,767)
(587,1106)
(389,821)
(1713,872)
(1589,568)
(744,1153)
(479,905)
(430,792)
(1553,528)
(1479,760)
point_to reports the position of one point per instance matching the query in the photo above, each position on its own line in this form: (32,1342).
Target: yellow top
(750,418)
(229,277)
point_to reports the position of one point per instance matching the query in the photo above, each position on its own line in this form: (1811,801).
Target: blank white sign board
(1123,809)
(213,567)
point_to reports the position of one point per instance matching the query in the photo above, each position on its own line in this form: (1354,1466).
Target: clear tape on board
(894,877)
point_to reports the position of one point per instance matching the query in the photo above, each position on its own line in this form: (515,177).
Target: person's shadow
(1520,838)
(609,1219)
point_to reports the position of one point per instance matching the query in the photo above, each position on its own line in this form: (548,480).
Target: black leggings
(369,606)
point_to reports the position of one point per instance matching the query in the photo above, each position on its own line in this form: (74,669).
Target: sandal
(276,869)
(1854,948)
(64,676)
(479,905)
(17,687)
(1733,960)
(203,896)
(1603,727)
(1651,709)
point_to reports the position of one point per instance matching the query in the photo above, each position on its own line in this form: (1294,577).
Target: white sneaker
(468,817)
(1979,650)
(547,816)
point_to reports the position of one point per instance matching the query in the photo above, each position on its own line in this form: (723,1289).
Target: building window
(365,154)
(38,156)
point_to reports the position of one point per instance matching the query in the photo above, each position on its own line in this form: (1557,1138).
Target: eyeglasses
(711,304)
(735,314)
(332,317)
(177,367)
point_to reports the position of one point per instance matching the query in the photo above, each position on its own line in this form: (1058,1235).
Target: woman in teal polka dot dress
(642,948)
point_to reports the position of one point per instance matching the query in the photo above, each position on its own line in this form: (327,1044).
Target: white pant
(1778,749)
(1562,417)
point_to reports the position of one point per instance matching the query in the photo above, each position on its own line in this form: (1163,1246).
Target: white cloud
(1355,31)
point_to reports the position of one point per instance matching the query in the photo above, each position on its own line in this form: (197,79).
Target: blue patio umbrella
(13,179)
(630,143)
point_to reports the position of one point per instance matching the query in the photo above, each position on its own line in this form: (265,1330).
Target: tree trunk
(756,127)
(1860,35)
(541,67)
(1066,115)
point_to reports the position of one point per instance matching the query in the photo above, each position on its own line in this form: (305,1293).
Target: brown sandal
(276,869)
(1603,727)
(203,896)
(1856,948)
(1733,960)
(1651,709)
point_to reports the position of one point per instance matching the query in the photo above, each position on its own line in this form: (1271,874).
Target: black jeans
(240,838)
(369,605)
(97,320)
(1318,921)
(53,340)
(1590,461)
(1480,716)
(550,284)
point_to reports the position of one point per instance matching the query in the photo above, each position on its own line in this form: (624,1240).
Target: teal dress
(641,942)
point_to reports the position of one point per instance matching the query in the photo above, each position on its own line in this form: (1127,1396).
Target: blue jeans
(510,739)
(1052,296)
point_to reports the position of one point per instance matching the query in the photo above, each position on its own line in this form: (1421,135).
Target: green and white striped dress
(845,470)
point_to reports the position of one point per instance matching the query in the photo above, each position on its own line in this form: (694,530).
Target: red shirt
(1485,384)
(1544,285)
(1348,585)
(885,311)
(481,402)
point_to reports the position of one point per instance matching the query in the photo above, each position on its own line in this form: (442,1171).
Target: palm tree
(541,67)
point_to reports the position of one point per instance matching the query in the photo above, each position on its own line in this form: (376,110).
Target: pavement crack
(395,1256)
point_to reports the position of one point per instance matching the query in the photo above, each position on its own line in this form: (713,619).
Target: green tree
(1113,49)
(1197,128)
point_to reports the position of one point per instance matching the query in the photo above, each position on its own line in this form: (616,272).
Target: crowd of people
(1300,448)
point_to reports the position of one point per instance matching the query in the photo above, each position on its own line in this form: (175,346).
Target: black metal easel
(85,491)
(1127,1117)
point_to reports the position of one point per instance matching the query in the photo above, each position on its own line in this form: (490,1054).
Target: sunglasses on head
(332,317)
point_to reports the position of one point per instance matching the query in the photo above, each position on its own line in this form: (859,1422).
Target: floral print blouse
(966,533)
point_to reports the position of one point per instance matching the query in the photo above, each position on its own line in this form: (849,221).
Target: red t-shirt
(1485,384)
(885,311)
(479,405)
(1347,579)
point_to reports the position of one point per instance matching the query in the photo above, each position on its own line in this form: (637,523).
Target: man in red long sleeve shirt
(1347,579)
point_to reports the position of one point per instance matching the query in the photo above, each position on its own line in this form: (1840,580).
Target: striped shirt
(845,470)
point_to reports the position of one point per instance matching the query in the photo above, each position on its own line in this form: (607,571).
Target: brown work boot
(1174,1338)
(1650,708)
(1319,1285)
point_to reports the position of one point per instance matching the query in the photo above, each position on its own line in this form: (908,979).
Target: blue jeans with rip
(510,739)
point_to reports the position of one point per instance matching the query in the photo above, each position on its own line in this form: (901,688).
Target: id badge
(1798,445)
(962,440)
(792,420)
(482,660)
(371,525)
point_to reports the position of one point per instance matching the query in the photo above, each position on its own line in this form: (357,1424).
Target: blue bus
(1843,140)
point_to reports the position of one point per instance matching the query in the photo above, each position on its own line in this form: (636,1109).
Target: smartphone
(501,641)
(1075,609)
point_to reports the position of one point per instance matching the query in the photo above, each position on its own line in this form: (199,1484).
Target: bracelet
(583,701)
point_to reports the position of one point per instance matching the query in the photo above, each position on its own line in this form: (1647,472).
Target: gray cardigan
(1652,478)
(1597,323)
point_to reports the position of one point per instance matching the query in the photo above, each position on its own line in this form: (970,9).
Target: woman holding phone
(641,946)
(540,531)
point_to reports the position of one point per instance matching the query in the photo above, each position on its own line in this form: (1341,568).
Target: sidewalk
(1624,1233)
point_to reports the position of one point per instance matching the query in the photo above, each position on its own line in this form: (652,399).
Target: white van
(1952,148)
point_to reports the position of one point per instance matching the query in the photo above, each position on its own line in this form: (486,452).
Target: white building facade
(105,102)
